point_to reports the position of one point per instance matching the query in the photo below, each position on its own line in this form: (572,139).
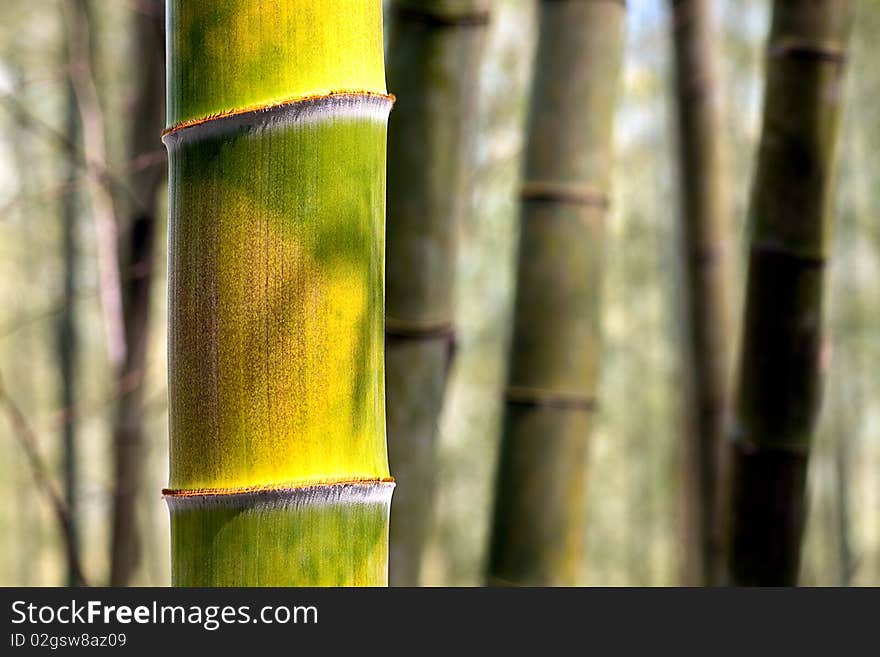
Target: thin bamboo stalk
(137,269)
(67,333)
(782,363)
(434,57)
(277,114)
(551,384)
(705,226)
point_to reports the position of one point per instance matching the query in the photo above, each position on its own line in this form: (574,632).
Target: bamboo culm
(67,334)
(705,226)
(782,362)
(136,277)
(276,141)
(433,66)
(550,394)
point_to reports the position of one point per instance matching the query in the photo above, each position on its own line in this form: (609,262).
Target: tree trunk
(782,363)
(433,67)
(843,428)
(67,336)
(279,470)
(136,268)
(551,384)
(705,225)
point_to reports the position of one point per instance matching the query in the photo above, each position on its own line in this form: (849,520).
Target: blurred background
(78,68)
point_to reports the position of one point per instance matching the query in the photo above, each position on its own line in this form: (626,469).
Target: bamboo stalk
(434,57)
(277,114)
(67,361)
(137,277)
(551,384)
(67,342)
(782,363)
(705,223)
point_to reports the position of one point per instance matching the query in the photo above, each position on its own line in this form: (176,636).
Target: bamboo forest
(441,293)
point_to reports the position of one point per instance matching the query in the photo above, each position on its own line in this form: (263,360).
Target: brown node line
(536,397)
(563,193)
(476,18)
(270,488)
(279,104)
(699,87)
(811,260)
(809,50)
(622,3)
(750,448)
(706,255)
(412,330)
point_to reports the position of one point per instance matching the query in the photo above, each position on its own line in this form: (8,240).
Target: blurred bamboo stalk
(125,278)
(136,273)
(846,406)
(784,358)
(433,68)
(705,228)
(537,529)
(66,323)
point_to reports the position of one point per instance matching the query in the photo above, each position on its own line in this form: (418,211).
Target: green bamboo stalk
(551,384)
(705,225)
(782,363)
(433,66)
(277,113)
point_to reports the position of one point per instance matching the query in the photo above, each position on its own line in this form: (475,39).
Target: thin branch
(95,170)
(106,225)
(140,163)
(134,272)
(28,441)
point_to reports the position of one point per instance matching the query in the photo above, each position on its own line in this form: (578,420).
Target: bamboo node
(706,255)
(526,396)
(266,498)
(750,448)
(537,190)
(416,330)
(476,18)
(271,488)
(811,50)
(813,260)
(275,105)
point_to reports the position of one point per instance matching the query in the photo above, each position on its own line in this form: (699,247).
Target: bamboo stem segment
(434,55)
(68,339)
(276,247)
(326,535)
(537,524)
(705,226)
(137,274)
(782,365)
